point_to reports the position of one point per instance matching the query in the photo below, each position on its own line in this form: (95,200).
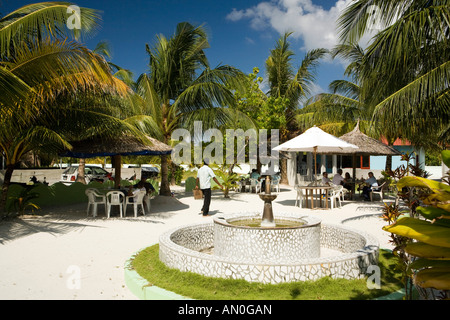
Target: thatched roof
(366,144)
(124,145)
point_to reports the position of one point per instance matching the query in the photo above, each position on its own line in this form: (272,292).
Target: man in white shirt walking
(204,176)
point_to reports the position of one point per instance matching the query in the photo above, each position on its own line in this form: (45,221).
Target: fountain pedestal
(267,218)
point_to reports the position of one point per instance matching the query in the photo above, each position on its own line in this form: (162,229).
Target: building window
(365,162)
(362,162)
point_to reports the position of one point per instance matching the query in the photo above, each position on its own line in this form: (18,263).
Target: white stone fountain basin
(297,239)
(188,248)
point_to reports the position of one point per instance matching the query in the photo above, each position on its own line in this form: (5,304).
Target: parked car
(149,172)
(91,173)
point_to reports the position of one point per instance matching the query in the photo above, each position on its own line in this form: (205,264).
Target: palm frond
(13,90)
(43,20)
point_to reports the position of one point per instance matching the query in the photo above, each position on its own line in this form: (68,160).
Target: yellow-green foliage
(431,231)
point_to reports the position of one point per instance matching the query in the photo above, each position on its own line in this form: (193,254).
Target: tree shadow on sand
(61,220)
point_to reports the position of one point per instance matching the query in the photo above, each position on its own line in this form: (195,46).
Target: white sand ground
(43,258)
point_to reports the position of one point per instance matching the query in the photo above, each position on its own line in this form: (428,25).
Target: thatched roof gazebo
(367,146)
(116,147)
(124,146)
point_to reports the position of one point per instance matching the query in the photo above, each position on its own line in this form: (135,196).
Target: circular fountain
(263,249)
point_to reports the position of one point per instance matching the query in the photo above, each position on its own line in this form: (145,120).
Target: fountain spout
(267,185)
(267,218)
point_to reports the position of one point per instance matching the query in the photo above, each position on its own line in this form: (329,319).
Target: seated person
(276,177)
(325,180)
(370,183)
(348,184)
(134,189)
(338,179)
(147,185)
(255,174)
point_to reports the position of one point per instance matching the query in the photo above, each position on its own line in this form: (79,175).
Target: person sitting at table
(370,182)
(134,189)
(338,179)
(141,186)
(255,174)
(147,185)
(325,180)
(348,184)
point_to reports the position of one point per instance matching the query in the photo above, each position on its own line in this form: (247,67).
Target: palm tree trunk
(388,166)
(81,166)
(164,190)
(117,160)
(5,187)
(173,169)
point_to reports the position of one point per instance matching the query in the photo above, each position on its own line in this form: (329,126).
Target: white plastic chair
(377,190)
(254,183)
(276,184)
(299,197)
(94,199)
(136,200)
(114,198)
(344,191)
(335,196)
(241,185)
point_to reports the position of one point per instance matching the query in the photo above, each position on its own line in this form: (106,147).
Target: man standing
(204,176)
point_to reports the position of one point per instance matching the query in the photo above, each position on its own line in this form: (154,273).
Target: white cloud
(313,24)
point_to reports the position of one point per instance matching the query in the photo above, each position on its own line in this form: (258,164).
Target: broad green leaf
(445,206)
(431,213)
(438,278)
(435,186)
(422,231)
(426,263)
(442,222)
(423,250)
(446,157)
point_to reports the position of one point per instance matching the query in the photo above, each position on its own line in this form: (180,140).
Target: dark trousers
(366,192)
(206,200)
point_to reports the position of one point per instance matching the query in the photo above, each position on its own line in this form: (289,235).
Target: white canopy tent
(316,140)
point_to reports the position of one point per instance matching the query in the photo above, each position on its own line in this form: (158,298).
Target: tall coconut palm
(350,102)
(289,83)
(411,56)
(337,112)
(52,76)
(181,88)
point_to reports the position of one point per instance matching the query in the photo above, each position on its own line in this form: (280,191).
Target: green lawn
(195,286)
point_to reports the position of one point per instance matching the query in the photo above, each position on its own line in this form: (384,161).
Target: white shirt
(337,179)
(325,180)
(372,181)
(204,175)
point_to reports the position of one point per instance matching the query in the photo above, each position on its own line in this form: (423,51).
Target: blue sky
(241,32)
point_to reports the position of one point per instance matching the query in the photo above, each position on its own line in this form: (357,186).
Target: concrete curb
(142,289)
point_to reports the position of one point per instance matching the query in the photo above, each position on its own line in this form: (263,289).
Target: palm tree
(53,77)
(411,56)
(181,88)
(289,83)
(337,112)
